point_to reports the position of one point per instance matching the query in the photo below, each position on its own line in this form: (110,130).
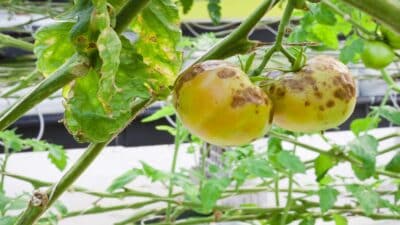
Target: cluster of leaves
(124,70)
(14,143)
(322,25)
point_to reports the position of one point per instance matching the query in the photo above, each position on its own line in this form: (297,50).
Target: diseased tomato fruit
(216,101)
(320,96)
(392,38)
(377,55)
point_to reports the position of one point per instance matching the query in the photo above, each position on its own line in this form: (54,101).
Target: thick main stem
(34,211)
(386,11)
(239,33)
(74,67)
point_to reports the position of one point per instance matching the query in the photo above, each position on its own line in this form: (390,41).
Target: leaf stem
(389,149)
(177,144)
(130,10)
(389,81)
(384,12)
(4,167)
(7,40)
(278,41)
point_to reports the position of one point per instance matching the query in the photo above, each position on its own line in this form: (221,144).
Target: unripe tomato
(216,101)
(392,38)
(320,96)
(377,55)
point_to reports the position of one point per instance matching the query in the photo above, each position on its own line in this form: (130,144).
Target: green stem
(100,209)
(24,83)
(276,191)
(74,67)
(128,13)
(173,166)
(392,135)
(278,41)
(295,142)
(288,201)
(347,17)
(385,11)
(34,211)
(389,149)
(139,216)
(4,167)
(239,33)
(389,81)
(7,40)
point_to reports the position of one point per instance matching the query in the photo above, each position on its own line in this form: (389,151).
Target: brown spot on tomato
(280,92)
(321,107)
(294,84)
(330,103)
(272,89)
(226,73)
(241,85)
(318,94)
(307,103)
(248,95)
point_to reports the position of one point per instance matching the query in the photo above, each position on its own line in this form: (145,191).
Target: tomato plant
(108,76)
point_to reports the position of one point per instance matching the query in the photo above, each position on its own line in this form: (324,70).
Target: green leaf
(109,46)
(166,128)
(364,148)
(322,14)
(326,35)
(53,47)
(57,156)
(322,164)
(390,113)
(61,208)
(364,124)
(352,49)
(339,219)
(84,108)
(159,46)
(11,140)
(124,179)
(274,147)
(7,220)
(161,113)
(4,201)
(307,221)
(153,173)
(214,10)
(259,168)
(291,162)
(394,164)
(368,199)
(211,191)
(17,203)
(186,5)
(327,198)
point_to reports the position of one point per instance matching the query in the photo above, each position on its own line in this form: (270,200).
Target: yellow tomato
(320,96)
(217,102)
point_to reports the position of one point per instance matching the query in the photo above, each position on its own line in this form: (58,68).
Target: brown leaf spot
(226,73)
(321,107)
(307,103)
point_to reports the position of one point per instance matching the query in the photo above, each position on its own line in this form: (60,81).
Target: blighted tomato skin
(217,102)
(322,95)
